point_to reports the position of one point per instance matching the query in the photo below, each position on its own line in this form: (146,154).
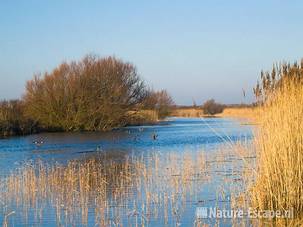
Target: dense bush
(13,121)
(92,94)
(210,107)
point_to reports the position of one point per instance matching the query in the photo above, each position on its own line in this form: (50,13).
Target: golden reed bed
(248,113)
(133,187)
(279,151)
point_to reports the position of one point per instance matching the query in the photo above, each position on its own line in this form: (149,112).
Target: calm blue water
(177,135)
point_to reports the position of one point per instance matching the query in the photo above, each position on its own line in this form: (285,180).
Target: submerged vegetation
(94,94)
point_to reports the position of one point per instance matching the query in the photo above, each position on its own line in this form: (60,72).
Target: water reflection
(176,134)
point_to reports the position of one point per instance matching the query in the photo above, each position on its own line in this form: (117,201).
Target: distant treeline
(241,105)
(94,94)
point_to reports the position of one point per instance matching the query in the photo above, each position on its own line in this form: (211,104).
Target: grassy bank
(249,113)
(245,113)
(13,122)
(187,112)
(143,117)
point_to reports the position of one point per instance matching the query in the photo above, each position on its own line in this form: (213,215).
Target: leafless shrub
(210,107)
(92,94)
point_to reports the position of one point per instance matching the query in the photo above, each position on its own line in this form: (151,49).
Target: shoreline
(236,114)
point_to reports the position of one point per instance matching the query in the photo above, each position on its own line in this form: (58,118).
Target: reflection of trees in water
(112,187)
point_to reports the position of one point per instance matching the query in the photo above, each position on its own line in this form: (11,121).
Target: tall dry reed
(279,151)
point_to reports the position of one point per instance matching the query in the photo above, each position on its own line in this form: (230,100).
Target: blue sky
(194,49)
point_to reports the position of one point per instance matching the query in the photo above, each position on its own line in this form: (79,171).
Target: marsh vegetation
(161,185)
(67,181)
(115,191)
(279,141)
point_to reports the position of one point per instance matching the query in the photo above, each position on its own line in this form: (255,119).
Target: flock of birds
(154,136)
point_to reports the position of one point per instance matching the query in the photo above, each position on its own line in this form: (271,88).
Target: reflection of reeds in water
(133,189)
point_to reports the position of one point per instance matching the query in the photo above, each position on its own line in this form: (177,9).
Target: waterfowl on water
(38,142)
(154,136)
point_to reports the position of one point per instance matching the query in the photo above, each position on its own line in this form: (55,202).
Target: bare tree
(12,119)
(161,101)
(210,107)
(92,94)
